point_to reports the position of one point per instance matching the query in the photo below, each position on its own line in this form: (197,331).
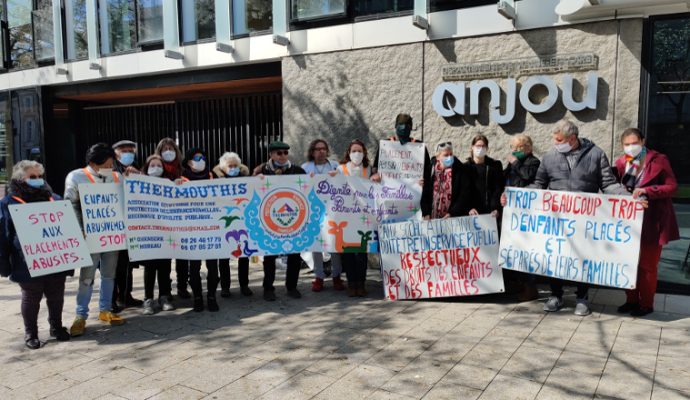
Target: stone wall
(344,95)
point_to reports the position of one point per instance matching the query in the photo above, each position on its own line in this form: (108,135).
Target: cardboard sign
(50,237)
(440,258)
(102,211)
(580,237)
(401,168)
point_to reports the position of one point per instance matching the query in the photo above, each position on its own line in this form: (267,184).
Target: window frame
(197,40)
(234,35)
(341,16)
(152,44)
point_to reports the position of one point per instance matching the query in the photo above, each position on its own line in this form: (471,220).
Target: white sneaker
(553,304)
(582,308)
(165,303)
(148,307)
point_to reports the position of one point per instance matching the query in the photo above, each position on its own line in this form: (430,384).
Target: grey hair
(19,169)
(229,156)
(566,128)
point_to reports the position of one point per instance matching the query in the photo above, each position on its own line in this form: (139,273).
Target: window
(369,7)
(198,20)
(75,26)
(251,16)
(43,30)
(20,33)
(150,18)
(443,5)
(312,9)
(118,25)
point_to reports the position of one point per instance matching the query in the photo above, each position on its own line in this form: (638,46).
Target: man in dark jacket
(403,130)
(279,164)
(576,165)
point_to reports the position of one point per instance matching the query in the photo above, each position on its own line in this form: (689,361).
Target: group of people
(450,188)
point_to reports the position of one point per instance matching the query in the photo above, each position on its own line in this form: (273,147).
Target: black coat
(293,170)
(462,198)
(488,199)
(521,173)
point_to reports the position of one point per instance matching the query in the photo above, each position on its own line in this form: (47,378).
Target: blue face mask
(448,161)
(233,171)
(126,159)
(35,183)
(403,131)
(279,164)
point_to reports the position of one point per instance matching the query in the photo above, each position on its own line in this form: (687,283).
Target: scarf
(278,170)
(28,193)
(442,191)
(632,170)
(194,175)
(171,170)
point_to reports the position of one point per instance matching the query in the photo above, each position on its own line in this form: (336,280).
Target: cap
(123,143)
(278,145)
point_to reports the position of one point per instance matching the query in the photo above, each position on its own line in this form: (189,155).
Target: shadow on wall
(343,121)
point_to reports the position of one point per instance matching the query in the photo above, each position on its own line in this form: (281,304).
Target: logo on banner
(284,211)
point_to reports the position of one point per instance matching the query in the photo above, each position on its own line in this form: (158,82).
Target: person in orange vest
(28,186)
(99,169)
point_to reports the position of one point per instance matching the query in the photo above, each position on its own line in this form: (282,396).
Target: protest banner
(221,218)
(401,167)
(580,237)
(440,258)
(103,216)
(50,237)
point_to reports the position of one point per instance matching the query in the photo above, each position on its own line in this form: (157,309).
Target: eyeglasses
(282,152)
(443,146)
(35,176)
(199,158)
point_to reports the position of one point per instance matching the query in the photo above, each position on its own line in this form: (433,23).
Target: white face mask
(479,152)
(105,172)
(169,155)
(632,150)
(198,166)
(155,171)
(563,147)
(356,157)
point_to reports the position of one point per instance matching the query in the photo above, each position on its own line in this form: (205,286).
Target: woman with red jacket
(647,174)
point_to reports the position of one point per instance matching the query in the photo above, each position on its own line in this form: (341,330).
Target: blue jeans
(107,263)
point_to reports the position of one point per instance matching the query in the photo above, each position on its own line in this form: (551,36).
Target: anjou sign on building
(480,75)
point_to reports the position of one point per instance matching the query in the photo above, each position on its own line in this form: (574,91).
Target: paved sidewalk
(327,346)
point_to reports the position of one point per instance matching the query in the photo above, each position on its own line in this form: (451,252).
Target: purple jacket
(659,223)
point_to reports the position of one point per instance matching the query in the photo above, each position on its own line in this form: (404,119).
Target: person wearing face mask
(521,170)
(99,169)
(171,155)
(355,162)
(487,175)
(450,191)
(576,165)
(125,164)
(230,166)
(319,164)
(161,267)
(403,130)
(279,164)
(195,168)
(27,186)
(647,174)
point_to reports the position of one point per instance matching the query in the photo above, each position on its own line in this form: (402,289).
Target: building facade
(234,75)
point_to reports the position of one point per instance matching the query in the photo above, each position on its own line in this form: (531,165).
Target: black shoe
(132,302)
(115,308)
(33,343)
(246,291)
(60,333)
(225,293)
(183,293)
(198,304)
(212,304)
(294,293)
(641,311)
(627,308)
(269,295)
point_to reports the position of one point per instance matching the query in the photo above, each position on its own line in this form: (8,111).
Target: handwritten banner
(103,216)
(440,258)
(579,237)
(50,237)
(401,168)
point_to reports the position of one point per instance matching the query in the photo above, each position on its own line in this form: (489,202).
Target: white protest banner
(401,168)
(50,237)
(102,213)
(221,218)
(580,237)
(440,258)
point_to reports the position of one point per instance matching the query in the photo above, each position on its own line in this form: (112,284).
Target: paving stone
(418,377)
(660,393)
(531,363)
(625,381)
(445,391)
(304,385)
(359,383)
(564,384)
(179,392)
(469,376)
(510,388)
